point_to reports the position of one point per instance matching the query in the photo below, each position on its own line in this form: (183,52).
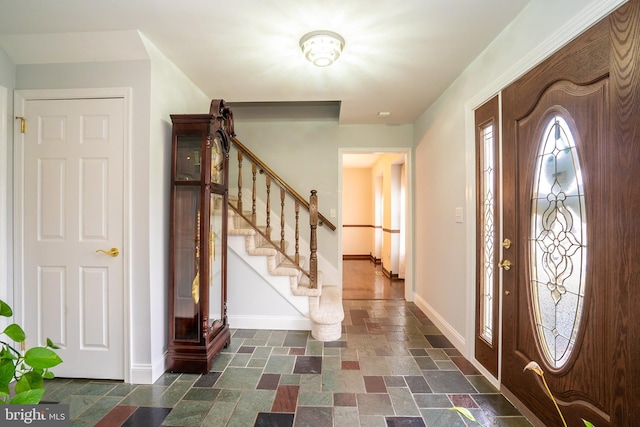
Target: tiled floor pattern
(391,367)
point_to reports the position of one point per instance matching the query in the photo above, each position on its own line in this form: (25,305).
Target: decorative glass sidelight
(558,242)
(488,233)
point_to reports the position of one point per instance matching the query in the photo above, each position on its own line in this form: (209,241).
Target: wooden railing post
(313,243)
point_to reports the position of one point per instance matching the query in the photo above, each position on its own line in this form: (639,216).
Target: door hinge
(23,124)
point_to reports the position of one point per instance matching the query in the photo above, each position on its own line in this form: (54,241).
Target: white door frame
(20,99)
(5,289)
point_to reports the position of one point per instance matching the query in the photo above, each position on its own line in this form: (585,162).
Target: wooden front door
(570,153)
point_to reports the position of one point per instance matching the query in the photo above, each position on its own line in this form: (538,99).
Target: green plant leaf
(4,390)
(41,357)
(7,370)
(48,375)
(5,353)
(465,412)
(5,310)
(587,423)
(15,332)
(30,397)
(50,344)
(29,381)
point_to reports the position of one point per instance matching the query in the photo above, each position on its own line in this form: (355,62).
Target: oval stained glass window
(558,242)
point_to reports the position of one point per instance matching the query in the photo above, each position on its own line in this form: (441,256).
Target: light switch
(459,215)
(332,214)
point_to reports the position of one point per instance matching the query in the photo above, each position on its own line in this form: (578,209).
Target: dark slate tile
(417,384)
(405,422)
(207,380)
(495,404)
(286,398)
(452,352)
(439,341)
(315,416)
(147,417)
(448,382)
(268,382)
(464,365)
(296,339)
(308,365)
(246,349)
(394,381)
(344,399)
(335,344)
(418,352)
(482,384)
(426,363)
(350,365)
(116,416)
(463,400)
(270,419)
(374,384)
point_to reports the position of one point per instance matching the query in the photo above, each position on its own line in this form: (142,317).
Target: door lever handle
(505,263)
(113,252)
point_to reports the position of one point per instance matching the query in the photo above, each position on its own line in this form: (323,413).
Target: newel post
(313,223)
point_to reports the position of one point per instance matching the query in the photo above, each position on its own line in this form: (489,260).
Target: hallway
(363,280)
(391,367)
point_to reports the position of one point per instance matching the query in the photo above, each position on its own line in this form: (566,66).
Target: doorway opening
(374,219)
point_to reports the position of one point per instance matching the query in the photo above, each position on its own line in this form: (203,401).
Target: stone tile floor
(391,367)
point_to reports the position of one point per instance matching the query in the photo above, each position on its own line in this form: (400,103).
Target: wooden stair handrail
(280,181)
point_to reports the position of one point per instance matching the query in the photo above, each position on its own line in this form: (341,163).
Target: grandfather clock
(198,326)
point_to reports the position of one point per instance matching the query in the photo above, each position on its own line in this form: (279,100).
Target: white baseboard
(452,335)
(141,374)
(148,373)
(270,322)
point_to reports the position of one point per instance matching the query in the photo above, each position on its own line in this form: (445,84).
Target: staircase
(320,302)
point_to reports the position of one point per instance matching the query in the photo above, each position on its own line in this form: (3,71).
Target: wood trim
(358,226)
(622,222)
(388,230)
(356,257)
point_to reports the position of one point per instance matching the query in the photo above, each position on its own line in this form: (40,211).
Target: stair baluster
(282,223)
(240,180)
(268,183)
(254,171)
(297,255)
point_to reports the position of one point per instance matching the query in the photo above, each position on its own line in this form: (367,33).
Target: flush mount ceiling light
(322,48)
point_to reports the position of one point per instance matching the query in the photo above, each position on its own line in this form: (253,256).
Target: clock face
(217,160)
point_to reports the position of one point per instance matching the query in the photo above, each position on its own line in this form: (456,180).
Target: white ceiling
(399,55)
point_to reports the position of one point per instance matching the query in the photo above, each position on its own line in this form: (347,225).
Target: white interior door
(72,209)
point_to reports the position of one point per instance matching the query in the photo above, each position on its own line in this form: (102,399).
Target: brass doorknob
(505,263)
(114,252)
(506,243)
